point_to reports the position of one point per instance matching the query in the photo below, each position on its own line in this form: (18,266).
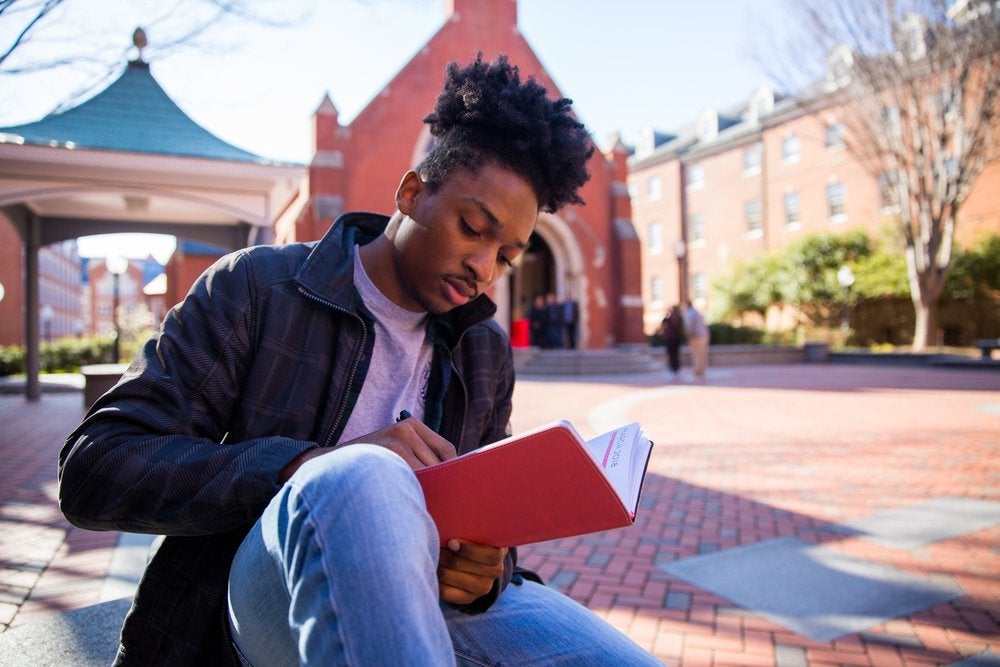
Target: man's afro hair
(486,113)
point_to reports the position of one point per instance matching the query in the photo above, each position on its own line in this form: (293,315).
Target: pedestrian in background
(554,322)
(697,338)
(539,317)
(672,331)
(570,320)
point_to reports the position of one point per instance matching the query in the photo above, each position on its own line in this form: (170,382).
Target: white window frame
(836,207)
(695,176)
(797,222)
(788,156)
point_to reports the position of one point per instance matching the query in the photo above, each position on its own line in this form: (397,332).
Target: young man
(257,430)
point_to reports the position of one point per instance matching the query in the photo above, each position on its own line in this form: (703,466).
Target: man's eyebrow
(494,222)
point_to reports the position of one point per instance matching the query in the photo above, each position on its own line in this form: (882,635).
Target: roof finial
(139,40)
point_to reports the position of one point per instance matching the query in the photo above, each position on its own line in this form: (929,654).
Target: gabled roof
(133,114)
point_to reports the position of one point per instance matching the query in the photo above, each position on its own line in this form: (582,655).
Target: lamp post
(845,277)
(116,266)
(680,251)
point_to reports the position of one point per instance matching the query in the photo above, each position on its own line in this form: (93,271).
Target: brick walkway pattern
(753,453)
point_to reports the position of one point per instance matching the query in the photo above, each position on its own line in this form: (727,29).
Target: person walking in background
(570,319)
(539,316)
(672,331)
(554,322)
(697,337)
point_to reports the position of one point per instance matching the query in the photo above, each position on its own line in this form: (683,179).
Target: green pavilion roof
(133,114)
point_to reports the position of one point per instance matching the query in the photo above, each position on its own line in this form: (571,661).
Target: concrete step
(529,361)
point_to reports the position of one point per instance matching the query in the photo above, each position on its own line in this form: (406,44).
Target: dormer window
(838,67)
(708,125)
(761,104)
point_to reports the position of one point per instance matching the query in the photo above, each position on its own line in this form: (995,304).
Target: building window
(695,176)
(751,159)
(754,219)
(654,187)
(655,238)
(696,227)
(656,289)
(791,148)
(835,196)
(833,135)
(633,191)
(888,197)
(699,286)
(792,219)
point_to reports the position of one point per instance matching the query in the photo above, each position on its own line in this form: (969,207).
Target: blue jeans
(341,569)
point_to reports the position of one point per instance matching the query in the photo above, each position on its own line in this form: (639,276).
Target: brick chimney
(495,13)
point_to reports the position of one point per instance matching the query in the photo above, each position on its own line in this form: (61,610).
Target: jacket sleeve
(152,456)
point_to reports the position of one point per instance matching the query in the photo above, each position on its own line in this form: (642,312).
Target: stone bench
(98,378)
(987,345)
(80,638)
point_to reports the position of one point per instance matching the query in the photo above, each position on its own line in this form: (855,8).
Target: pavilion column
(32,241)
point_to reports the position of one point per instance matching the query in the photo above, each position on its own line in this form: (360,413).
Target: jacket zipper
(354,365)
(465,391)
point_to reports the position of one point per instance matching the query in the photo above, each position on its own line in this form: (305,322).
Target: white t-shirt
(400,365)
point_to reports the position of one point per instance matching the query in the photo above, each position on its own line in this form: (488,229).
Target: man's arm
(148,457)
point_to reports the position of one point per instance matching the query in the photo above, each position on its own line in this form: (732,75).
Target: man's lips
(459,289)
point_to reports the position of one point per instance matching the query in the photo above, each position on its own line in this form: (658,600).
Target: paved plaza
(792,515)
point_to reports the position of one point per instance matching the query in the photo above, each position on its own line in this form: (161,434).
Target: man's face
(453,244)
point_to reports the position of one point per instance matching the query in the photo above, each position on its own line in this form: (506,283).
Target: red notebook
(543,484)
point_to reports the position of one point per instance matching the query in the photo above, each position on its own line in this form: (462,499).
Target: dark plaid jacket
(264,359)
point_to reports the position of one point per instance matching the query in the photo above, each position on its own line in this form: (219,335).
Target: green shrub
(727,334)
(65,355)
(11,359)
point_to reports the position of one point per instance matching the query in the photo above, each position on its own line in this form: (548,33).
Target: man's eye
(468,229)
(505,261)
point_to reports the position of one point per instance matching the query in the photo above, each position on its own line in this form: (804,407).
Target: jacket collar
(328,273)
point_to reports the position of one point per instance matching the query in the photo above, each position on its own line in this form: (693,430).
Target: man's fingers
(473,584)
(413,440)
(434,448)
(454,595)
(480,560)
(477,553)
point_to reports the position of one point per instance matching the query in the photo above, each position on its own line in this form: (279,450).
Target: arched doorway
(536,274)
(553,262)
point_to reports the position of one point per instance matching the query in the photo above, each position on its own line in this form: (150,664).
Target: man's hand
(466,571)
(413,440)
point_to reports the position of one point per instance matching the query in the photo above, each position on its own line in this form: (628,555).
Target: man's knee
(354,465)
(358,478)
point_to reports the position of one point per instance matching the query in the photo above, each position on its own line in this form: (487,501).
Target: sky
(627,64)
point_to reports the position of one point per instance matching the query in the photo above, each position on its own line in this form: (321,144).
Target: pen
(403,414)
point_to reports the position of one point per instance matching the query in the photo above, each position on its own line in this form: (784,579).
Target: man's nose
(482,264)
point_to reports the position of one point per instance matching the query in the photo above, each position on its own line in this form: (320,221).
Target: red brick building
(733,185)
(60,289)
(591,251)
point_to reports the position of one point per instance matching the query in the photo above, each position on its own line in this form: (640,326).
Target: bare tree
(918,83)
(43,35)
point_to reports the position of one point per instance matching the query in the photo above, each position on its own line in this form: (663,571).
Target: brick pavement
(753,453)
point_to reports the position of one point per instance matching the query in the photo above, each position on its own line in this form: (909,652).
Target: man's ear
(406,193)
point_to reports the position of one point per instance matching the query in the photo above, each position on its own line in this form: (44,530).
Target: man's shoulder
(266,263)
